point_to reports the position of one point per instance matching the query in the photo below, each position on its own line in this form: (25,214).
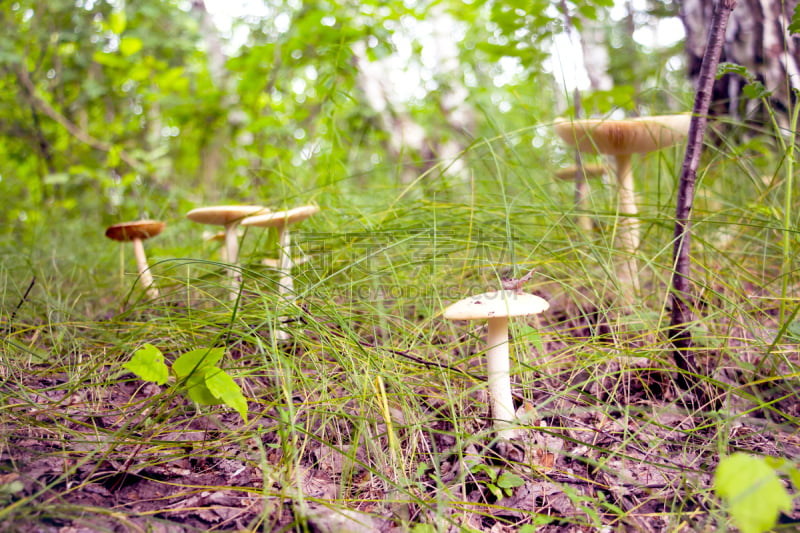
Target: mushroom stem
(285,263)
(231,256)
(144,271)
(498,371)
(628,236)
(582,201)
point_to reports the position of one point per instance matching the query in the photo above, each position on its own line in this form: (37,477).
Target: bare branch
(680,296)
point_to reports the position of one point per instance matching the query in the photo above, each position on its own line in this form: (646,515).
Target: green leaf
(226,389)
(733,68)
(534,336)
(495,490)
(130,45)
(794,475)
(148,364)
(57,178)
(508,480)
(194,360)
(755,89)
(793,331)
(117,22)
(109,60)
(198,391)
(752,491)
(794,26)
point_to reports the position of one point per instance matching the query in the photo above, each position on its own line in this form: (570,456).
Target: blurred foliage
(111,110)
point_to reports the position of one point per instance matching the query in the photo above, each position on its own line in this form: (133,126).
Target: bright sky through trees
(409,80)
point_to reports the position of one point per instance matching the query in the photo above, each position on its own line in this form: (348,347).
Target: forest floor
(610,443)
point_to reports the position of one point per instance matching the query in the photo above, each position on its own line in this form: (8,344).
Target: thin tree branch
(681,316)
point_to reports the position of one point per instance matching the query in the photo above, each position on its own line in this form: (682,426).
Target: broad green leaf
(752,491)
(148,363)
(130,45)
(496,491)
(755,89)
(733,68)
(109,60)
(507,480)
(196,359)
(117,22)
(533,335)
(794,26)
(226,389)
(198,391)
(67,49)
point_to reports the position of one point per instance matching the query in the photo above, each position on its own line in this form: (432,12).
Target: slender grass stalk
(787,214)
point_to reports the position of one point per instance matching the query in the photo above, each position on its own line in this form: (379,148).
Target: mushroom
(281,220)
(219,236)
(136,232)
(497,307)
(621,139)
(580,174)
(228,216)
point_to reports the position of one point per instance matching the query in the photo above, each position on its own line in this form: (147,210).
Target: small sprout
(195,372)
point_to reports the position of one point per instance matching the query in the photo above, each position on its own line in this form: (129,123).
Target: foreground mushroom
(281,220)
(621,139)
(496,307)
(229,217)
(580,174)
(136,232)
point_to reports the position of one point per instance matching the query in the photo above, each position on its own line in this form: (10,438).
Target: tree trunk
(757,38)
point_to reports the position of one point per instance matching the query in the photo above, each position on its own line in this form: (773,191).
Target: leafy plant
(195,371)
(500,485)
(753,490)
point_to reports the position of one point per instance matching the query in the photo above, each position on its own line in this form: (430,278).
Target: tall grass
(377,404)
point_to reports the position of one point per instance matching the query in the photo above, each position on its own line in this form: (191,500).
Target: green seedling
(753,490)
(500,485)
(195,371)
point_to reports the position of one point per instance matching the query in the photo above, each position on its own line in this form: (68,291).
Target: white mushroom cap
(281,218)
(496,307)
(496,304)
(222,215)
(629,136)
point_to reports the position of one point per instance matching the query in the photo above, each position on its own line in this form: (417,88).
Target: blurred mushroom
(580,174)
(229,217)
(281,220)
(219,236)
(136,232)
(621,139)
(496,307)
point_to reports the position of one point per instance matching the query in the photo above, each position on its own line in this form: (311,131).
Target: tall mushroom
(136,232)
(281,220)
(496,307)
(229,217)
(581,174)
(621,139)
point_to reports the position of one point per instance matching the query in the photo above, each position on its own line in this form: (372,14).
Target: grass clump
(374,414)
